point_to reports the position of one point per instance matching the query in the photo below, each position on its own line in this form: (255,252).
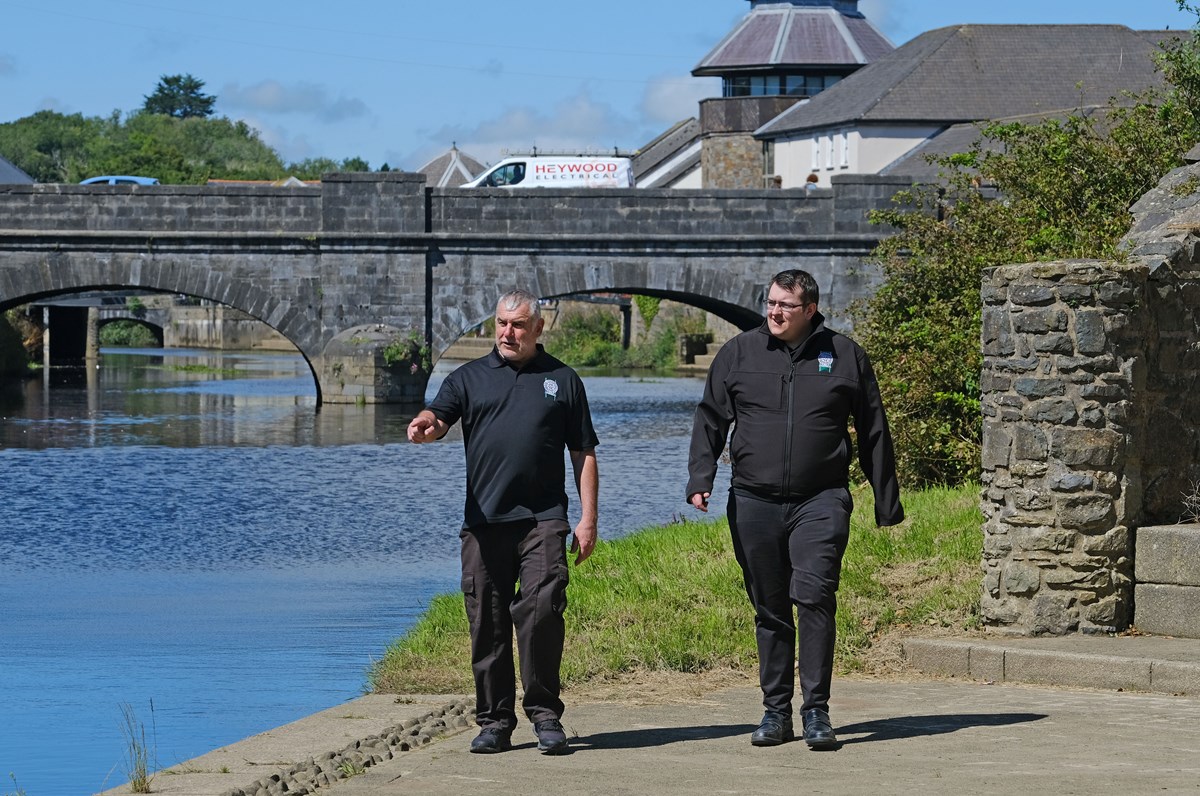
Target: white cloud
(670,99)
(309,99)
(883,14)
(577,124)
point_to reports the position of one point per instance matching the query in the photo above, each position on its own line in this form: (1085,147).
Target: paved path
(923,736)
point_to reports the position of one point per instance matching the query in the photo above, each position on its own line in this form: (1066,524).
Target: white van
(557,172)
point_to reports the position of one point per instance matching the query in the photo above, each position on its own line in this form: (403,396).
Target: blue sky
(398,81)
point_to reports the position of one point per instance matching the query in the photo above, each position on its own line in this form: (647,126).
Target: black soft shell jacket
(790,413)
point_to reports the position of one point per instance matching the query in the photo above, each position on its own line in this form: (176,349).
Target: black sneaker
(552,740)
(491,740)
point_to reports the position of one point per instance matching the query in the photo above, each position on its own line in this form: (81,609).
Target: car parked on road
(119,180)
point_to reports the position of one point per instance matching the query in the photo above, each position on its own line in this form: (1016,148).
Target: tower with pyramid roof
(782,52)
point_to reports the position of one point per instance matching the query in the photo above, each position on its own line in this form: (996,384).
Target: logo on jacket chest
(550,387)
(825,361)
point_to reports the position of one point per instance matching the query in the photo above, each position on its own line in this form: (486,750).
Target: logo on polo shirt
(551,388)
(825,361)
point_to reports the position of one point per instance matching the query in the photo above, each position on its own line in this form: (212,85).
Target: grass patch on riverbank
(671,599)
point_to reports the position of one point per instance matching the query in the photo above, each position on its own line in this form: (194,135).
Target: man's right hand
(700,500)
(425,427)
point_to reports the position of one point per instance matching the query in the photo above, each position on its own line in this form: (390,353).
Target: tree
(180,96)
(313,168)
(49,146)
(1065,187)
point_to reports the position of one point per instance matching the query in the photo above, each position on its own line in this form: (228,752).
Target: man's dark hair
(794,279)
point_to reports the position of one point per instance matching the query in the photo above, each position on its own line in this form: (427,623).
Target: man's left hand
(584,542)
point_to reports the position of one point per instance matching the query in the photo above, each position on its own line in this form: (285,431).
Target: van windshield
(510,174)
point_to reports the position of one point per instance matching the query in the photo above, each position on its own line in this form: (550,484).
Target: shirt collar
(498,361)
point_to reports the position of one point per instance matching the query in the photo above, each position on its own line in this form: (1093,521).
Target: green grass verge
(671,599)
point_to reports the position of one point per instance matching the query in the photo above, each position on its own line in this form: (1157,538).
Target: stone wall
(1091,418)
(732,160)
(217,326)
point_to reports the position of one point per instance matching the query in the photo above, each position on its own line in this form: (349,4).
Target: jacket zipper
(790,380)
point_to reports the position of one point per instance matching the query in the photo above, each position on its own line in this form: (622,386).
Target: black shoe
(774,729)
(818,732)
(491,740)
(552,740)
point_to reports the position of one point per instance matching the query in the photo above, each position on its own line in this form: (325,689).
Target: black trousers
(791,554)
(495,559)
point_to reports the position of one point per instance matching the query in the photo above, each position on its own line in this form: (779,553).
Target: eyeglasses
(782,306)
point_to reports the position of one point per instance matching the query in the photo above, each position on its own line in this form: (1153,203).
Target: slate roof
(11,175)
(962,137)
(796,34)
(668,145)
(969,73)
(450,170)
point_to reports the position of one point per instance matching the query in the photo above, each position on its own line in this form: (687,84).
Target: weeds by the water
(207,369)
(138,753)
(19,790)
(351,769)
(671,599)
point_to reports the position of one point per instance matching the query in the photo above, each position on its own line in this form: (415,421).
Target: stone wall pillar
(1062,366)
(1091,418)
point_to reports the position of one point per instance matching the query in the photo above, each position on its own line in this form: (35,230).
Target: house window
(816,152)
(768,158)
(827,145)
(737,86)
(844,149)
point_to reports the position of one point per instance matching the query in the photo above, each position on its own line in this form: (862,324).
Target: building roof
(962,137)
(967,73)
(11,175)
(663,149)
(796,34)
(283,182)
(451,169)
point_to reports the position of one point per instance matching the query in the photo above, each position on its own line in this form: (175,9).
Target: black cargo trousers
(495,559)
(791,553)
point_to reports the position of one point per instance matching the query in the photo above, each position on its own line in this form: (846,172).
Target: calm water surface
(184,533)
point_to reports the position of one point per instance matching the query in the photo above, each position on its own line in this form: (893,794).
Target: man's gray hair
(514,299)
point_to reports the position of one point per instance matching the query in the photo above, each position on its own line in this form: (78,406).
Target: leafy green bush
(408,350)
(1065,187)
(127,334)
(593,339)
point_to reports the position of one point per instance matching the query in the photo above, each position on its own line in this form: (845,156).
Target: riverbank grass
(671,599)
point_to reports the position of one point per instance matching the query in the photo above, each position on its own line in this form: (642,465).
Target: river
(182,532)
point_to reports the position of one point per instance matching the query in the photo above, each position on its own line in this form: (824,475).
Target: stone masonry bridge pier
(371,263)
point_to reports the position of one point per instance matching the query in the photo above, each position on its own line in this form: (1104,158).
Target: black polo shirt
(515,425)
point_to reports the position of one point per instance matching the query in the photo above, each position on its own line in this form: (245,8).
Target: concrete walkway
(932,735)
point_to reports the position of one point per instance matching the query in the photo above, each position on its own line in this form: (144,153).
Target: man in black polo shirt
(519,408)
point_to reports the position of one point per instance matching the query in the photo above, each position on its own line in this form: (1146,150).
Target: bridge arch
(41,278)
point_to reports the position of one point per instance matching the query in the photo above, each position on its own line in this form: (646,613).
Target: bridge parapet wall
(701,214)
(160,208)
(1091,419)
(394,203)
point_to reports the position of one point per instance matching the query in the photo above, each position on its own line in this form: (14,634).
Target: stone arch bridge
(362,261)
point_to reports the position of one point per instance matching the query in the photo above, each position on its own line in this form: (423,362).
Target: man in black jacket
(789,389)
